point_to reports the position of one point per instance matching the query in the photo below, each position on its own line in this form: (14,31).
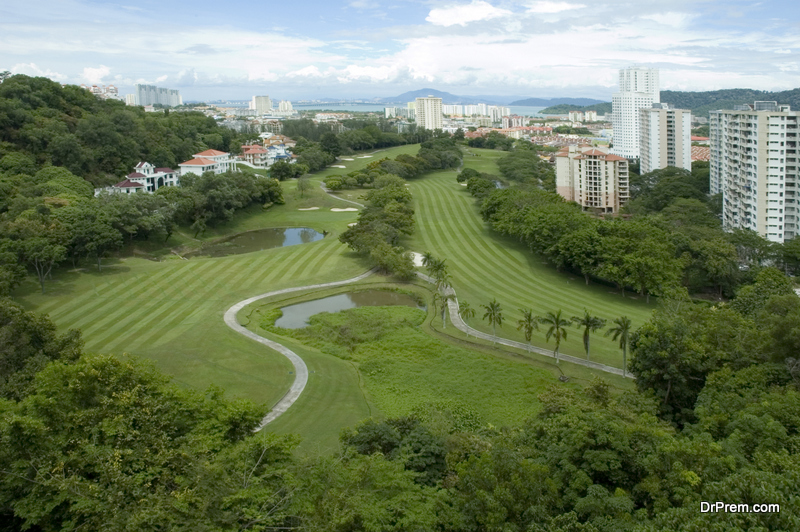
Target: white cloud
(96,75)
(310,71)
(553,7)
(30,69)
(463,14)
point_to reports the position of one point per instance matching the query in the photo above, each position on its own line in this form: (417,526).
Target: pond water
(296,316)
(258,240)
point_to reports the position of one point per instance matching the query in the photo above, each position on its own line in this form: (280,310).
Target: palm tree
(590,324)
(621,331)
(435,266)
(427,259)
(528,324)
(557,330)
(465,311)
(440,301)
(494,315)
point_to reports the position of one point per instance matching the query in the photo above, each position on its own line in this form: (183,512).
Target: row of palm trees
(556,326)
(555,323)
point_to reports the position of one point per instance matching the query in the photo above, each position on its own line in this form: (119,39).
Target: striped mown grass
(485,265)
(171,311)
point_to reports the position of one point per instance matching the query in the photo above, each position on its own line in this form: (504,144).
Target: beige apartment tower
(429,112)
(593,178)
(665,138)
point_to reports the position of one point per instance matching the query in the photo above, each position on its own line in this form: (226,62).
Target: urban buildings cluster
(104,92)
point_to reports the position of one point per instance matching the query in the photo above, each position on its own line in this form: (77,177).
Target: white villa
(209,161)
(144,178)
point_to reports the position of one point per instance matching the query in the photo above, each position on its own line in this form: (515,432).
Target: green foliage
(750,299)
(525,166)
(47,124)
(27,343)
(110,443)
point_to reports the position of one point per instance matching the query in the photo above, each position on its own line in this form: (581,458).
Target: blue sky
(367,48)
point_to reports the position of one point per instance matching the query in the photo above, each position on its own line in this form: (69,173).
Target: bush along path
(458,322)
(300,368)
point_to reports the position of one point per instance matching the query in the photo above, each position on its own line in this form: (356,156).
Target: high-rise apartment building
(665,138)
(285,106)
(754,164)
(453,109)
(262,105)
(152,95)
(595,179)
(429,112)
(638,89)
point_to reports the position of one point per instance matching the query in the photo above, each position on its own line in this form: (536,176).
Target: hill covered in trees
(562,109)
(99,140)
(700,103)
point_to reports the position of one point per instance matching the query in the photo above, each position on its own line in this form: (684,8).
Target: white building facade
(209,161)
(152,95)
(638,89)
(144,178)
(262,105)
(429,112)
(665,138)
(754,164)
(595,179)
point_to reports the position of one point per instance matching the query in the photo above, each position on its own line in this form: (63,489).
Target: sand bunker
(347,159)
(365,157)
(417,259)
(309,209)
(463,184)
(352,224)
(348,209)
(337,166)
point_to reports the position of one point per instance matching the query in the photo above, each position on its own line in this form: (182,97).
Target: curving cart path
(458,322)
(300,368)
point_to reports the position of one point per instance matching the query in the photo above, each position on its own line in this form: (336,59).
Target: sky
(366,48)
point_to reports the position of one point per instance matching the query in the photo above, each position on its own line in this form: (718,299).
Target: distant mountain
(410,96)
(564,108)
(449,98)
(547,102)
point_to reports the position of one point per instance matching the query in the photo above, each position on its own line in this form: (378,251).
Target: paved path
(300,368)
(459,324)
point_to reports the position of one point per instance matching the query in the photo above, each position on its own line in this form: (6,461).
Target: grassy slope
(485,265)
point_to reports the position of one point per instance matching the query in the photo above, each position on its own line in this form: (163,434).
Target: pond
(258,240)
(296,316)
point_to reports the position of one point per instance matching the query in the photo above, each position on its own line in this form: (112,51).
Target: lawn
(485,265)
(153,304)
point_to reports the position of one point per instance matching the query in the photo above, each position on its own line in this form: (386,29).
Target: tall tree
(589,324)
(557,329)
(528,323)
(494,315)
(621,331)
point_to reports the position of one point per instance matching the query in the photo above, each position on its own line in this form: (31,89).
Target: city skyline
(366,49)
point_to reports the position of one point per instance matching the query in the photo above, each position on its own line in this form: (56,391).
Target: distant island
(564,108)
(545,102)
